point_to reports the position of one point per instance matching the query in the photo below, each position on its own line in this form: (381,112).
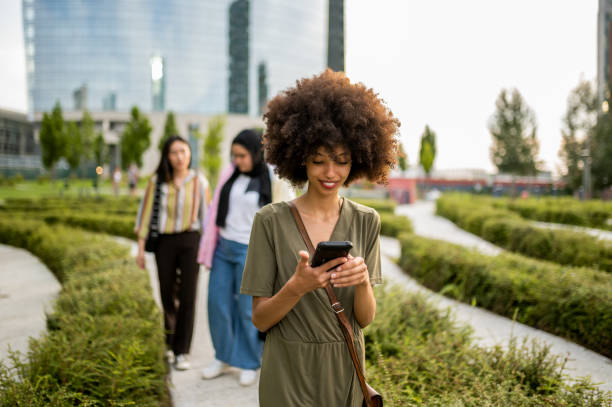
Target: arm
(268,311)
(142,221)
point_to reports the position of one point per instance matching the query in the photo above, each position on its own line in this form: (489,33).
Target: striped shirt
(181,208)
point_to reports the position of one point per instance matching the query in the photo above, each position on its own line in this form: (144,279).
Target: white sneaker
(170,356)
(216,368)
(247,377)
(182,362)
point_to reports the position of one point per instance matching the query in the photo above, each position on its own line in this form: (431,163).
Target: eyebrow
(331,155)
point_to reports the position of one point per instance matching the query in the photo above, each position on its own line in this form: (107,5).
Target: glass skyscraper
(189,56)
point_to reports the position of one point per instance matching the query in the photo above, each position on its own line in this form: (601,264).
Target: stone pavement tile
(27,291)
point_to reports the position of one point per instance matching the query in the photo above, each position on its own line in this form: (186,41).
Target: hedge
(569,302)
(417,356)
(508,230)
(380,205)
(595,214)
(105,338)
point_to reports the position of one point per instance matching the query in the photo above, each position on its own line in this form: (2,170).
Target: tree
(136,139)
(513,128)
(52,138)
(402,158)
(99,149)
(169,130)
(578,124)
(74,146)
(601,152)
(88,135)
(211,159)
(427,152)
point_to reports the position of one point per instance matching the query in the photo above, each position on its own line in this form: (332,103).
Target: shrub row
(506,229)
(97,204)
(393,225)
(416,356)
(380,205)
(105,340)
(595,214)
(569,302)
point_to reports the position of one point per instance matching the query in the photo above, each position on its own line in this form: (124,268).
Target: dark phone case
(330,250)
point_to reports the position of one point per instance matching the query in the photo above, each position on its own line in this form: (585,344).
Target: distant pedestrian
(116,180)
(133,179)
(244,187)
(328,133)
(175,202)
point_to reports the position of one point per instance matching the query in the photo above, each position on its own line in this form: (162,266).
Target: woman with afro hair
(325,132)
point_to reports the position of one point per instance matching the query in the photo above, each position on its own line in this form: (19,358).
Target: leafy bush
(595,214)
(105,340)
(569,302)
(416,356)
(380,205)
(393,225)
(506,229)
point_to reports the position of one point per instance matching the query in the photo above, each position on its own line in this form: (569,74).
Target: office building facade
(189,56)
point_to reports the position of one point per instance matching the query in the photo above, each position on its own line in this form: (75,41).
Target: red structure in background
(407,190)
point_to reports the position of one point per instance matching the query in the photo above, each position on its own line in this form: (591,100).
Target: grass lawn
(56,188)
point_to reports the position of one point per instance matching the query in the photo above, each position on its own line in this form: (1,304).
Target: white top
(241,211)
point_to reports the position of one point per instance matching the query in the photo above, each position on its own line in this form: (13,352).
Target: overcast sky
(436,62)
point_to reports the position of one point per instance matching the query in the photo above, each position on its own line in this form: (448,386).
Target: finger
(346,275)
(349,281)
(332,263)
(355,262)
(303,257)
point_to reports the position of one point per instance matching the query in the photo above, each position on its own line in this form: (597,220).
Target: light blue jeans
(234,336)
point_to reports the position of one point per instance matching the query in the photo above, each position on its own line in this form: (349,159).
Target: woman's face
(328,170)
(179,156)
(242,158)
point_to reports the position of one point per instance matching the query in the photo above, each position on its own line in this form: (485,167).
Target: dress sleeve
(260,267)
(144,211)
(372,255)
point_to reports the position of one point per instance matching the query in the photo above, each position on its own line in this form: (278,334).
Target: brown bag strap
(345,326)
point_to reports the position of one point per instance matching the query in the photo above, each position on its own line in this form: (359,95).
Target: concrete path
(489,328)
(599,233)
(425,223)
(27,291)
(188,389)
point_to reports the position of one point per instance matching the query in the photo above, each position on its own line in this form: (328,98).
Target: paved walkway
(27,290)
(599,233)
(489,328)
(188,389)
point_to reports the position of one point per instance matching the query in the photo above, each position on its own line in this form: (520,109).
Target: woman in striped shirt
(183,197)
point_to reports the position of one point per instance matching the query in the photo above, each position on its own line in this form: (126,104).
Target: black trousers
(177,269)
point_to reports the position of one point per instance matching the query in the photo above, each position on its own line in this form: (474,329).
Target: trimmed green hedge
(380,205)
(393,225)
(117,225)
(417,356)
(595,214)
(508,230)
(569,302)
(105,339)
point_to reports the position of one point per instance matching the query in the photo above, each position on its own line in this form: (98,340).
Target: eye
(317,162)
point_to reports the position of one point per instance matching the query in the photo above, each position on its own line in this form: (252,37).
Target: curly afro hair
(328,110)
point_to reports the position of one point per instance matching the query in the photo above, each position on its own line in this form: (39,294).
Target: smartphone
(330,250)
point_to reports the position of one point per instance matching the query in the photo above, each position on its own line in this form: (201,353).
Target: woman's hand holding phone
(352,273)
(307,278)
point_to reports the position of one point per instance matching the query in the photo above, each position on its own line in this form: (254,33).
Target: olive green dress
(306,361)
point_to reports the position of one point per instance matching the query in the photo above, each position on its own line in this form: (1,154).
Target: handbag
(371,398)
(152,240)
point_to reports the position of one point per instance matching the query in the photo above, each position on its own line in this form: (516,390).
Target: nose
(330,170)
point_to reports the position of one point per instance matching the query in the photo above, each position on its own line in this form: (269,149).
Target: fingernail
(333,275)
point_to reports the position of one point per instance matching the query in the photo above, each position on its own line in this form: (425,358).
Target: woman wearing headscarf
(244,187)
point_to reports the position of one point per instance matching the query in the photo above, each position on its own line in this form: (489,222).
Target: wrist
(293,289)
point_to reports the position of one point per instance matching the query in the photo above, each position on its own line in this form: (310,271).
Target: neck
(325,205)
(178,174)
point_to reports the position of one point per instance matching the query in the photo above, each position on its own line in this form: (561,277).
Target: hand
(140,259)
(353,272)
(307,278)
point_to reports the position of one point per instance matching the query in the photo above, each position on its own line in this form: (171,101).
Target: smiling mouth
(328,185)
